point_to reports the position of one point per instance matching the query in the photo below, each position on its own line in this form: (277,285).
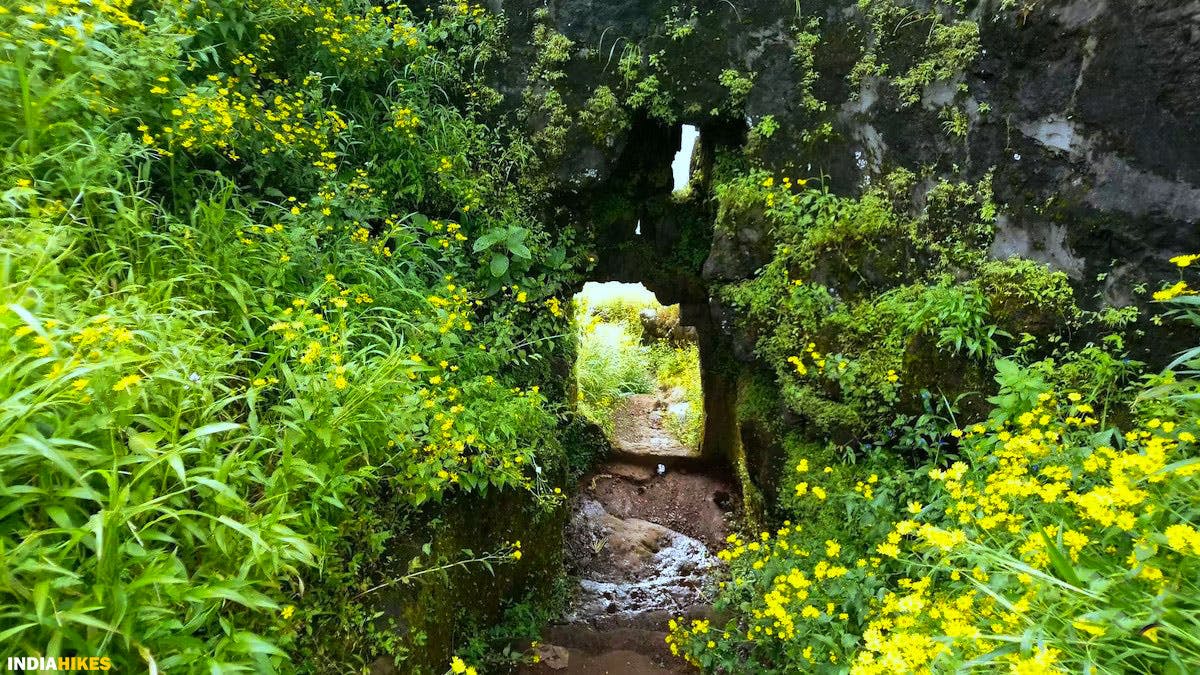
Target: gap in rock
(638,373)
(645,525)
(681,166)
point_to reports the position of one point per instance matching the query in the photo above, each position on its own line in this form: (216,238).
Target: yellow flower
(1172,292)
(287,612)
(457,665)
(127,382)
(1042,662)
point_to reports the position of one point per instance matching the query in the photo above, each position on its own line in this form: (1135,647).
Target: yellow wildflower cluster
(308,333)
(1173,291)
(64,25)
(783,193)
(453,308)
(72,352)
(355,40)
(448,232)
(405,120)
(837,368)
(1034,511)
(232,116)
(797,598)
(1033,492)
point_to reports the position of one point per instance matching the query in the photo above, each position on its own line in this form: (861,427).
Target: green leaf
(499,265)
(1060,562)
(209,430)
(520,250)
(488,239)
(15,630)
(145,441)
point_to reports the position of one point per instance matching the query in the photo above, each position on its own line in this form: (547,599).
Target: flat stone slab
(641,437)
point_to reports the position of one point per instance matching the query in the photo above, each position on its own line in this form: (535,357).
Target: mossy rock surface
(955,376)
(429,614)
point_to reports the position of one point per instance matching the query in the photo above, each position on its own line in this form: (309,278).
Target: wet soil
(641,544)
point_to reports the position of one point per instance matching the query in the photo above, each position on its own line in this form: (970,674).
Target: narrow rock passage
(641,544)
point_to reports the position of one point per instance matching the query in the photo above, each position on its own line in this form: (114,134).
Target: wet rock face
(631,566)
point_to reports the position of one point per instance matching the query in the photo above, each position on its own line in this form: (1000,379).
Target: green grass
(230,330)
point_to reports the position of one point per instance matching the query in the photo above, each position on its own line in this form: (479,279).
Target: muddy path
(641,545)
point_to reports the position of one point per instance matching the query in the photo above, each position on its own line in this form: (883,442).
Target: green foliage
(955,122)
(553,50)
(241,306)
(804,56)
(641,85)
(766,127)
(649,95)
(952,48)
(738,86)
(840,311)
(543,102)
(1055,544)
(957,315)
(680,26)
(933,45)
(496,648)
(603,116)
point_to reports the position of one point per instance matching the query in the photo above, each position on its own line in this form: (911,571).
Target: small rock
(679,411)
(553,656)
(661,470)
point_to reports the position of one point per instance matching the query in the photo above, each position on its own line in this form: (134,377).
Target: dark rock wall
(1081,113)
(1085,110)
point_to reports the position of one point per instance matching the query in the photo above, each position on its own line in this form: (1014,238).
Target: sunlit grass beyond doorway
(630,344)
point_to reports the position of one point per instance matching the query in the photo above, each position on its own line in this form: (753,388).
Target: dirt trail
(641,436)
(642,545)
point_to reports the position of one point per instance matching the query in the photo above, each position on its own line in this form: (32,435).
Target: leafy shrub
(1052,544)
(230,325)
